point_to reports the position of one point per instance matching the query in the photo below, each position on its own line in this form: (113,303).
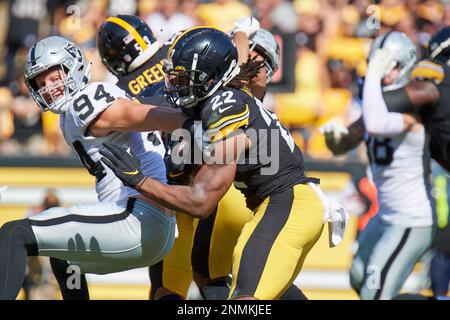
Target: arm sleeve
(378,120)
(398,101)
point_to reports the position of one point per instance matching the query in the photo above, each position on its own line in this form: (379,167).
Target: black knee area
(217,290)
(156,277)
(172,296)
(59,268)
(293,293)
(20,233)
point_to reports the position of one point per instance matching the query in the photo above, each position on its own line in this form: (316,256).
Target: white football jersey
(401,171)
(85,106)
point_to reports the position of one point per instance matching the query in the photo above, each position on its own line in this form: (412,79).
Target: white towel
(334,214)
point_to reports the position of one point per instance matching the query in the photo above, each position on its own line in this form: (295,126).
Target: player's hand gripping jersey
(85,106)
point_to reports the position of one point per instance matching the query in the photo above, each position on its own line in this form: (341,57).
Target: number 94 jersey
(85,107)
(273,163)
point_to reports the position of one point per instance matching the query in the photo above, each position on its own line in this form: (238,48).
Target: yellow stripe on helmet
(122,23)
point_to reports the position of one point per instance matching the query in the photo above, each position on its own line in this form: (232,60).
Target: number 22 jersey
(84,108)
(273,163)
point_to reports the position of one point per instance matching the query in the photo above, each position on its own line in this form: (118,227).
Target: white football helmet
(50,52)
(404,51)
(263,42)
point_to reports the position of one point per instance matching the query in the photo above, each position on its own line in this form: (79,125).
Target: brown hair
(248,71)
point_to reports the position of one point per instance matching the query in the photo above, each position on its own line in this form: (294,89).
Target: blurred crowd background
(332,39)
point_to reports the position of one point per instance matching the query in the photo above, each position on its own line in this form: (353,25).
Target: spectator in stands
(93,13)
(222,14)
(6,116)
(27,138)
(58,9)
(278,15)
(189,8)
(168,20)
(128,7)
(25,17)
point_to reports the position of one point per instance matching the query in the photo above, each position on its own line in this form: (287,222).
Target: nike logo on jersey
(174,175)
(222,110)
(132,173)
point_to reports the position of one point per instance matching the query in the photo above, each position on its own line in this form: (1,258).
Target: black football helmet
(199,62)
(438,47)
(125,42)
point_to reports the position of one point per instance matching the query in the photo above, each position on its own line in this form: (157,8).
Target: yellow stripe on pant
(272,246)
(214,244)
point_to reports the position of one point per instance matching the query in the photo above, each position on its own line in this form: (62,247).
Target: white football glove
(248,25)
(333,132)
(381,64)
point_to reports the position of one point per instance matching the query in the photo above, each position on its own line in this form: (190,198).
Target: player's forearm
(240,40)
(151,118)
(378,120)
(127,116)
(166,119)
(346,144)
(414,97)
(348,140)
(185,199)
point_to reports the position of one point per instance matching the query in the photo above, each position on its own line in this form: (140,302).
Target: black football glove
(176,173)
(124,165)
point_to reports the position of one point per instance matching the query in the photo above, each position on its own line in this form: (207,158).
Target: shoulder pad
(428,70)
(224,113)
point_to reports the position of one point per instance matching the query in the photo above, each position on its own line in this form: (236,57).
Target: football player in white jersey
(125,230)
(398,148)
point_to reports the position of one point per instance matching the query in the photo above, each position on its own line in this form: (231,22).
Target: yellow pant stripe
(288,250)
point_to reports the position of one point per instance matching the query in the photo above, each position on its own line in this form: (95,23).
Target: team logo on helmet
(74,51)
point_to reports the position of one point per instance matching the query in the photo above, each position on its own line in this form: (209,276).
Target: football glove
(124,165)
(248,25)
(178,172)
(333,132)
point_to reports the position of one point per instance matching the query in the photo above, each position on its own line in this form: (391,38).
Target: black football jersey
(273,163)
(436,117)
(149,76)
